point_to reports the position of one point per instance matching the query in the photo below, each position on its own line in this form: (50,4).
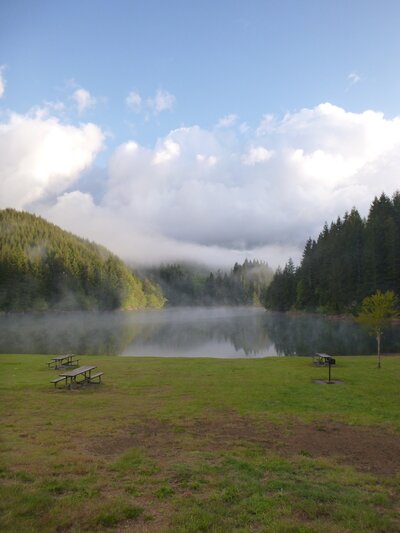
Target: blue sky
(227,68)
(217,58)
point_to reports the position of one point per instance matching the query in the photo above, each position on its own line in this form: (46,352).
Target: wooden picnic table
(84,373)
(61,361)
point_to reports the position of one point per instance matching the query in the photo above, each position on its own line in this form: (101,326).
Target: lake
(187,332)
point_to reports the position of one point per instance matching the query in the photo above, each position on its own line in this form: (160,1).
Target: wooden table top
(77,371)
(61,357)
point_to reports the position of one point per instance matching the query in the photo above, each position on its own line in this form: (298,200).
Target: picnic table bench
(61,361)
(78,376)
(323,359)
(57,380)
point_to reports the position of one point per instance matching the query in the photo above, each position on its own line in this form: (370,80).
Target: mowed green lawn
(193,445)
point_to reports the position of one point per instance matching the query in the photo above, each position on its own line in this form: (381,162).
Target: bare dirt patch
(369,449)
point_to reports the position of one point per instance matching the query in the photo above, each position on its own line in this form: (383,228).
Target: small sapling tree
(376,313)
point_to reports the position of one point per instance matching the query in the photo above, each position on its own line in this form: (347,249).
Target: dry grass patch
(370,449)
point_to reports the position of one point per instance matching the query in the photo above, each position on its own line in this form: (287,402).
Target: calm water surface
(187,332)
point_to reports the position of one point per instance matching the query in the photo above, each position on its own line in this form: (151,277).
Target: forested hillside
(350,260)
(43,267)
(189,285)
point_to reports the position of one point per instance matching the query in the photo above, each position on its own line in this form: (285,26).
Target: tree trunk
(378,340)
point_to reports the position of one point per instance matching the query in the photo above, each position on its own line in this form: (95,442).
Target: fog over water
(187,332)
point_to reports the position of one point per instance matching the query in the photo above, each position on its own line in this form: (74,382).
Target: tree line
(43,267)
(351,259)
(186,285)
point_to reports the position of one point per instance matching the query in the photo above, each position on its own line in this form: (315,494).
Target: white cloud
(266,125)
(209,190)
(83,100)
(256,154)
(206,195)
(170,150)
(227,121)
(40,156)
(162,101)
(80,203)
(353,78)
(2,81)
(209,161)
(131,241)
(134,101)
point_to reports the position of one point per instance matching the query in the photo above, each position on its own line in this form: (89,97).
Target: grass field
(192,445)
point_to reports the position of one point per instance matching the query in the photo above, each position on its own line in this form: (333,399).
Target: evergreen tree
(281,293)
(350,259)
(190,285)
(43,267)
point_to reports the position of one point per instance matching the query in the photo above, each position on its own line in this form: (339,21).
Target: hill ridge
(45,267)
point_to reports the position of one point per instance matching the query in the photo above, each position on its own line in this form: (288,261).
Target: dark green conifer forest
(351,259)
(190,285)
(43,267)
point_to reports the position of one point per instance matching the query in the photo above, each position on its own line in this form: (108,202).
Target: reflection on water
(211,332)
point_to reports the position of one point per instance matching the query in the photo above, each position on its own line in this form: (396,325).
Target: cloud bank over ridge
(214,195)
